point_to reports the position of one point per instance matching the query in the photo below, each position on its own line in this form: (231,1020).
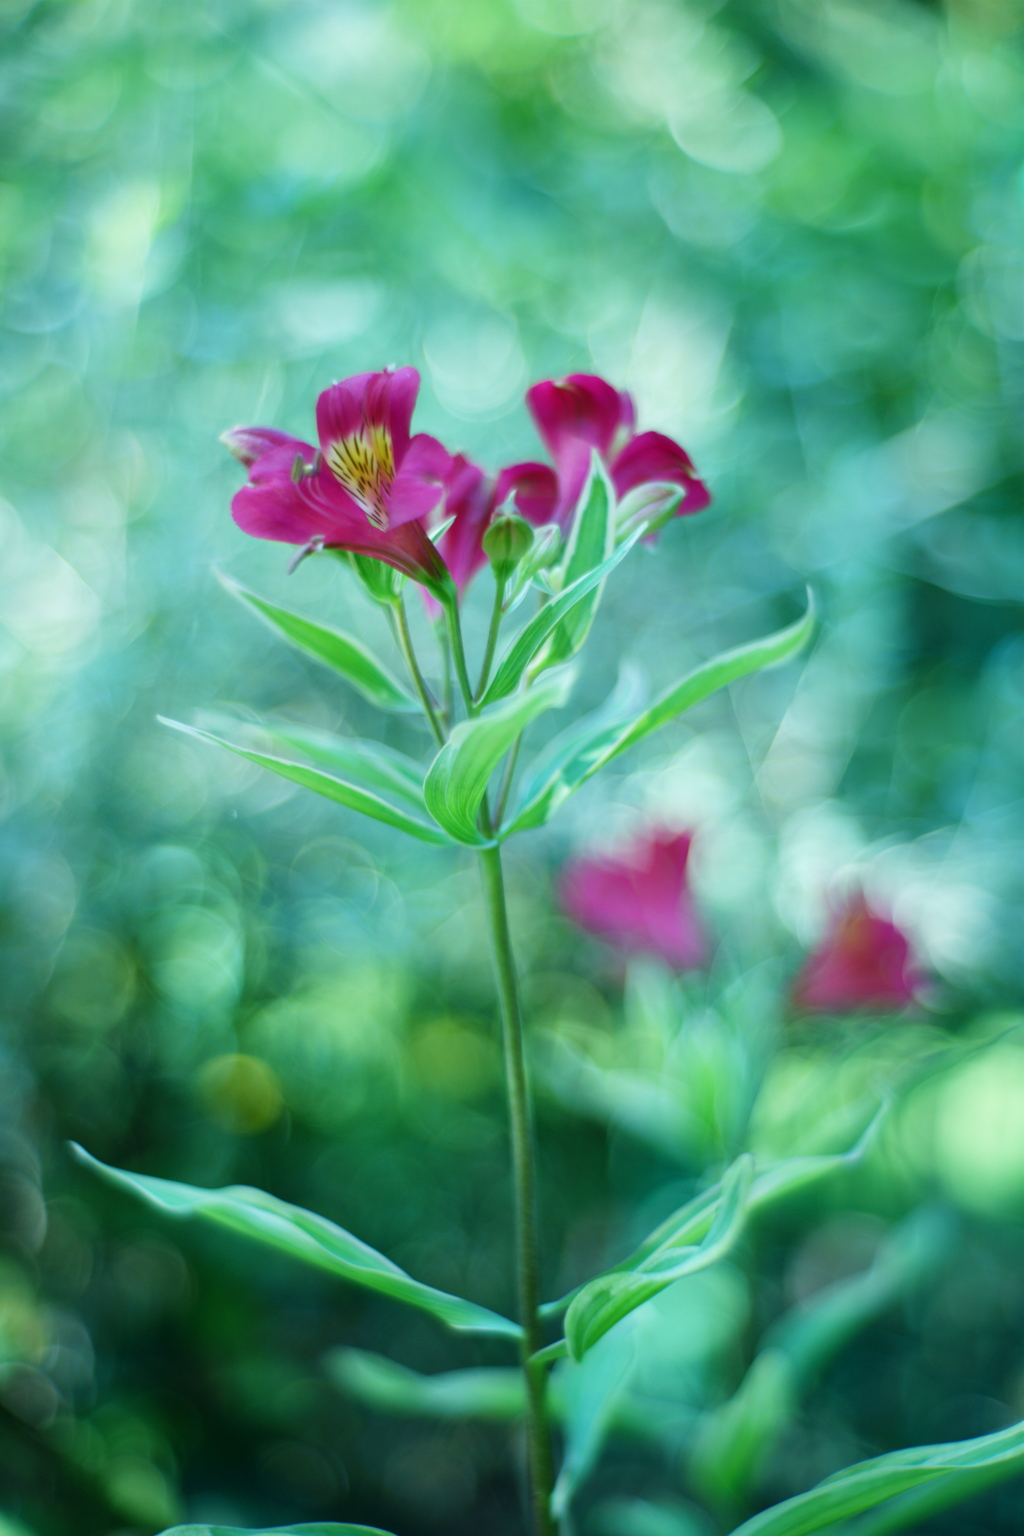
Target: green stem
(445,646)
(524,1178)
(492,635)
(451,613)
(404,639)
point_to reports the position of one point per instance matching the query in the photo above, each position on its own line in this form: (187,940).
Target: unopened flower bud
(508,539)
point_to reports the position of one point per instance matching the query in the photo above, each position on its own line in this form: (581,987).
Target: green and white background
(793,230)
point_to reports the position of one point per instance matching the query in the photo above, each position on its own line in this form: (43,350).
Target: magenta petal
(427,458)
(863,962)
(272,506)
(419,484)
(639,902)
(535,487)
(654,457)
(339,410)
(250,443)
(383,400)
(397,400)
(580,409)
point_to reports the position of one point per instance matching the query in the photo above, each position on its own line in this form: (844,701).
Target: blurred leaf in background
(793,230)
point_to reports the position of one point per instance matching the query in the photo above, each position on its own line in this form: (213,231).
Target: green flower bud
(508,538)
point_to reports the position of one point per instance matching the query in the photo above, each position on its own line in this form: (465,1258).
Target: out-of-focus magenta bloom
(863,962)
(368,487)
(473,498)
(582,412)
(640,900)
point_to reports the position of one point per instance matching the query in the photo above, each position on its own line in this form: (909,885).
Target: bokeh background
(792,228)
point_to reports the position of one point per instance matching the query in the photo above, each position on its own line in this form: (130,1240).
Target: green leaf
(605,1301)
(376,765)
(341,652)
(771,1183)
(693,1221)
(591,1391)
(575,756)
(458,777)
(532,636)
(488,1393)
(304,1236)
(325,784)
(566,762)
(591,540)
(320,1528)
(870,1483)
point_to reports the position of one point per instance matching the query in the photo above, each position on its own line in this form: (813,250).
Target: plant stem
(445,646)
(524,1178)
(451,613)
(404,639)
(492,635)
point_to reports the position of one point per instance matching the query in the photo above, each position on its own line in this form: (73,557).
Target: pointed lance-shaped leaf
(591,540)
(606,1300)
(342,653)
(318,1528)
(350,795)
(457,779)
(494,1392)
(693,1221)
(962,1465)
(576,755)
(531,637)
(378,766)
(306,1236)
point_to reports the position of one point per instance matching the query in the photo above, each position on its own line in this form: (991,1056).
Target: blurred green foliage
(792,227)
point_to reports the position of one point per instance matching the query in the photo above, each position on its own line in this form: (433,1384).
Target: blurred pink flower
(367,488)
(639,901)
(863,962)
(473,498)
(582,412)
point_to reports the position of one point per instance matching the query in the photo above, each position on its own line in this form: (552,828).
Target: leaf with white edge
(457,778)
(693,1221)
(306,1236)
(591,540)
(495,1393)
(342,653)
(350,795)
(528,642)
(577,755)
(606,1300)
(319,1528)
(378,766)
(871,1483)
(566,761)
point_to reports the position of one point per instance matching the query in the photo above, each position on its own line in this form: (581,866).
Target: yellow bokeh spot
(452,1060)
(242,1092)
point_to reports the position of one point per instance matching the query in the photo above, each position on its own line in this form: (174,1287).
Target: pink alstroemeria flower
(473,498)
(639,901)
(863,962)
(368,487)
(582,412)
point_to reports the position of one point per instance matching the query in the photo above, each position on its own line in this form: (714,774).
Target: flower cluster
(371,488)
